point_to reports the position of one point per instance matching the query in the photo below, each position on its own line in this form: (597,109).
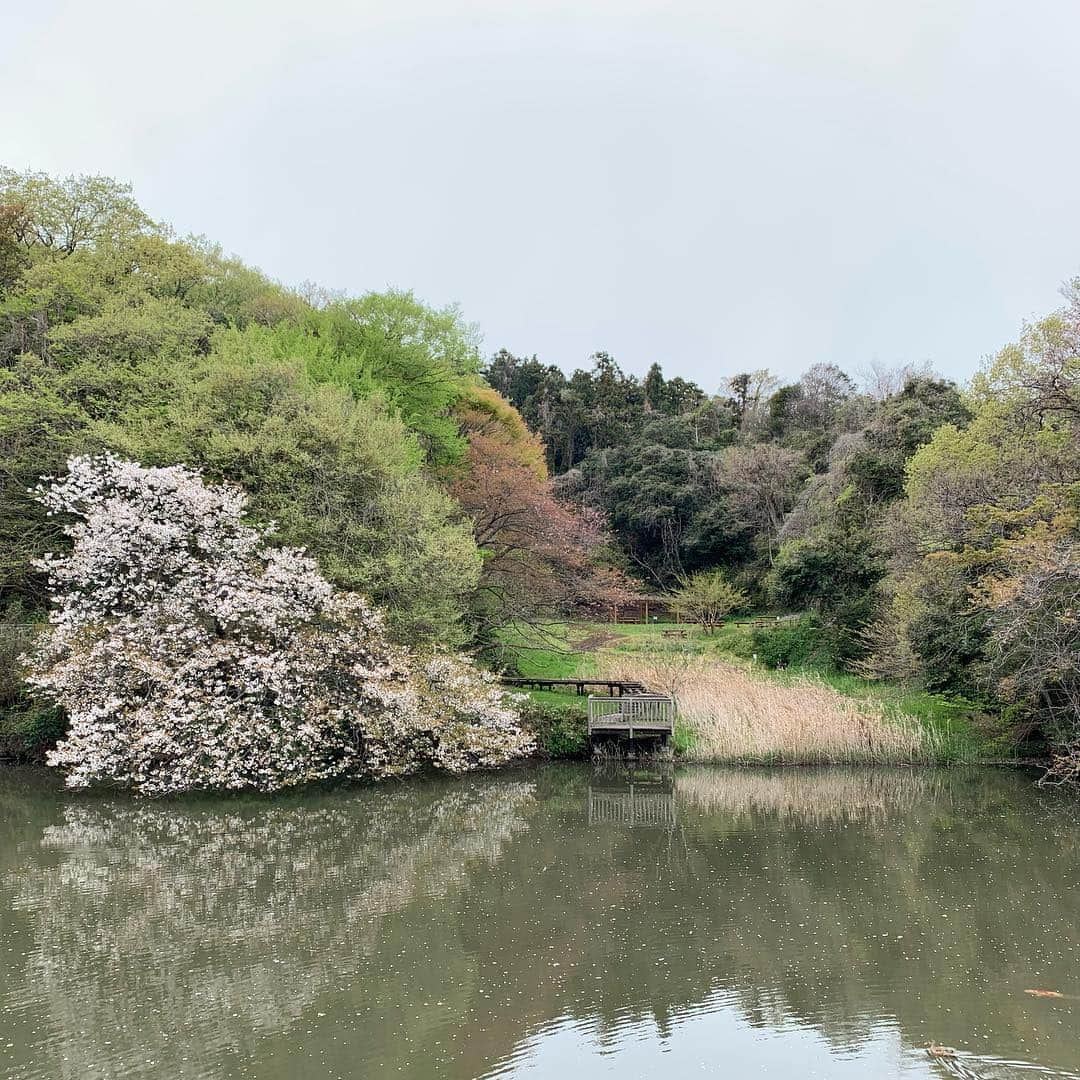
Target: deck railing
(630,713)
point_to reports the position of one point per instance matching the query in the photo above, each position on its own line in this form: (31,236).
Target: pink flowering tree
(189,654)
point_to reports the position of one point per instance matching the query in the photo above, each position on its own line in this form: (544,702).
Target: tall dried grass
(733,715)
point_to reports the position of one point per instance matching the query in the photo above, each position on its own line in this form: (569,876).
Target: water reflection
(168,939)
(816,796)
(632,797)
(788,922)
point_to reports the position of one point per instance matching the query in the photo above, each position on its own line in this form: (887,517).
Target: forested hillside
(359,426)
(924,531)
(920,531)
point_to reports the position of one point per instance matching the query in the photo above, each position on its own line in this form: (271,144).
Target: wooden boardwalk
(629,711)
(614,687)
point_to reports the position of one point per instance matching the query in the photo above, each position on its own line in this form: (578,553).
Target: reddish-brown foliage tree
(541,555)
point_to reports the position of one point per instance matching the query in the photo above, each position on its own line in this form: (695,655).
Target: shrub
(798,643)
(561,731)
(1065,766)
(707,598)
(189,654)
(27,728)
(15,637)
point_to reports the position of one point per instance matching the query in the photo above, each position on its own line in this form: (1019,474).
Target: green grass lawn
(542,654)
(556,653)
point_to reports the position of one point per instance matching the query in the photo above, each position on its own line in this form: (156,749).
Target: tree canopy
(335,416)
(929,532)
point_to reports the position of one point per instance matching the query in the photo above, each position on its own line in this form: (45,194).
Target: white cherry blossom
(191,655)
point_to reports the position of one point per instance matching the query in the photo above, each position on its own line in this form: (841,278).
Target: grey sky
(716,186)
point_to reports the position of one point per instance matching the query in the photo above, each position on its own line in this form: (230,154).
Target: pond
(547,922)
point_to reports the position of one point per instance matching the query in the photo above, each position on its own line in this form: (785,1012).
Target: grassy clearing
(548,654)
(734,709)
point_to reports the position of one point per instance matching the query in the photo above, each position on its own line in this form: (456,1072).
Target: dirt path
(597,641)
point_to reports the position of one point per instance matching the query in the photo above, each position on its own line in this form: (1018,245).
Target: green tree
(833,574)
(390,343)
(749,395)
(114,335)
(60,217)
(762,482)
(985,548)
(707,598)
(833,550)
(654,496)
(340,476)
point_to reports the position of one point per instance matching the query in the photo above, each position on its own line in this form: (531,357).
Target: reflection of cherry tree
(220,925)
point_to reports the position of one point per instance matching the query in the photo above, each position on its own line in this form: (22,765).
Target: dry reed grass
(735,716)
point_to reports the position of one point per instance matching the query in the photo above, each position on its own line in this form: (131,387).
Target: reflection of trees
(430,930)
(839,899)
(176,932)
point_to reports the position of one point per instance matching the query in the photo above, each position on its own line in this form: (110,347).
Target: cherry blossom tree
(190,654)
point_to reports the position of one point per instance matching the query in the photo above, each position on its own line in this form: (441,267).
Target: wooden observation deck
(632,716)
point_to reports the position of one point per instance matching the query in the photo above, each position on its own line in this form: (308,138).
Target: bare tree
(749,392)
(881,380)
(762,483)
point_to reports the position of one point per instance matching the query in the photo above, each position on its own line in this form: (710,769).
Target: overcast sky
(716,185)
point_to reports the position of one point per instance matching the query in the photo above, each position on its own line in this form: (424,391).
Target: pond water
(550,922)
